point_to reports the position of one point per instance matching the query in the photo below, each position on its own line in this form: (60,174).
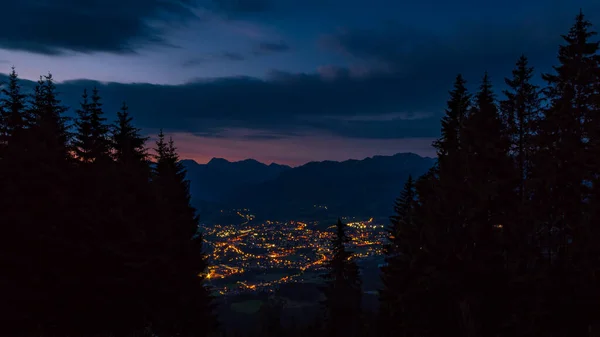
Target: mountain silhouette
(217,179)
(365,187)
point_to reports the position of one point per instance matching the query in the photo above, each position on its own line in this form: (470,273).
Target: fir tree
(398,274)
(83,141)
(521,114)
(561,188)
(128,144)
(37,214)
(520,110)
(183,304)
(343,293)
(490,195)
(570,93)
(459,103)
(12,111)
(444,198)
(92,141)
(49,130)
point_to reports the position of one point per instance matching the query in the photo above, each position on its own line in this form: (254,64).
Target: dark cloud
(261,135)
(284,105)
(225,56)
(470,47)
(263,48)
(395,86)
(232,56)
(270,8)
(118,26)
(243,6)
(271,47)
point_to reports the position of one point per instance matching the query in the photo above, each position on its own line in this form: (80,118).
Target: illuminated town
(259,256)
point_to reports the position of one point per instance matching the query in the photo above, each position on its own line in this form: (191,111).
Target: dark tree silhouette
(489,198)
(129,145)
(182,302)
(343,293)
(91,141)
(521,112)
(12,113)
(400,273)
(561,182)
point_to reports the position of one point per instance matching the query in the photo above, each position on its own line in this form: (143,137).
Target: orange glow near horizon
(293,150)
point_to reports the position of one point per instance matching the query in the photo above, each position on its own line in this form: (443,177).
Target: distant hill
(213,181)
(365,187)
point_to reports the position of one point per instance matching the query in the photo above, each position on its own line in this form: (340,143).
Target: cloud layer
(119,26)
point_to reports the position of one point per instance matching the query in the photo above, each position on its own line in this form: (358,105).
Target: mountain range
(365,187)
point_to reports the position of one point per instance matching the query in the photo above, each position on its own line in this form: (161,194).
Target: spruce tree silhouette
(17,253)
(137,216)
(128,144)
(182,302)
(520,111)
(38,179)
(400,274)
(561,194)
(343,293)
(12,113)
(490,197)
(444,197)
(82,239)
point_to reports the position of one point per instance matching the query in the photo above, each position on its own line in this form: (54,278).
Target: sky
(286,81)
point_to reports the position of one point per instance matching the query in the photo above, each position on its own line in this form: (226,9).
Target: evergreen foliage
(343,291)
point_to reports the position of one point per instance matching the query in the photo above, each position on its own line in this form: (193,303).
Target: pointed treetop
(161,146)
(128,144)
(486,94)
(460,84)
(12,105)
(96,97)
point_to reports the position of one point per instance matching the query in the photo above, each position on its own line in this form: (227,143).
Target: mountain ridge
(214,160)
(351,187)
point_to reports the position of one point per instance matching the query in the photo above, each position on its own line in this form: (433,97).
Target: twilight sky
(288,81)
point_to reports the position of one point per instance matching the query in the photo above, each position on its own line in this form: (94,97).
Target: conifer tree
(398,274)
(444,198)
(128,144)
(562,188)
(452,167)
(490,196)
(49,130)
(183,303)
(12,111)
(570,93)
(38,213)
(489,165)
(457,111)
(131,187)
(343,293)
(15,241)
(92,141)
(521,113)
(520,109)
(83,142)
